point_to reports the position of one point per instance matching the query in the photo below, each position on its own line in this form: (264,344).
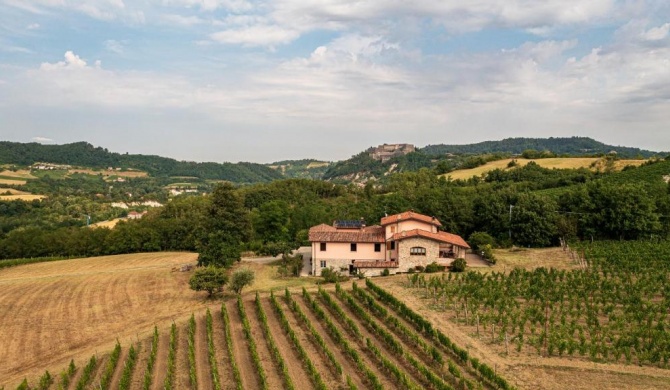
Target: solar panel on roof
(350,224)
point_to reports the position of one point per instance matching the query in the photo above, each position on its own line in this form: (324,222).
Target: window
(322,247)
(392,229)
(417,251)
(323,263)
(354,247)
(392,245)
(378,247)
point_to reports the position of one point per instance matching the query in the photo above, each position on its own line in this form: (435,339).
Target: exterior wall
(409,225)
(459,251)
(339,254)
(407,261)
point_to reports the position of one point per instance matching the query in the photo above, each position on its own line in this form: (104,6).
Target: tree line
(275,217)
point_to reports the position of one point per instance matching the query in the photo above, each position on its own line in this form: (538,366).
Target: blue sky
(238,80)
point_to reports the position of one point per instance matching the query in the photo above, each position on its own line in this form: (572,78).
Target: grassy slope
(558,163)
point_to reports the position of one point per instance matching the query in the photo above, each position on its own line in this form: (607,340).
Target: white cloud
(72,61)
(211,5)
(657,33)
(183,21)
(33,26)
(257,35)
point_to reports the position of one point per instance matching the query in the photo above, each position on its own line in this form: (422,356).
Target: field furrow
(181,380)
(144,349)
(241,349)
(202,354)
(355,342)
(223,362)
(160,367)
(386,352)
(114,382)
(348,368)
(273,378)
(313,350)
(441,369)
(297,372)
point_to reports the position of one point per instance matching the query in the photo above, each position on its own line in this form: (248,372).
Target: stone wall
(407,260)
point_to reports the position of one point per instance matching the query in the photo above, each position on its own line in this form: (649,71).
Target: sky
(261,81)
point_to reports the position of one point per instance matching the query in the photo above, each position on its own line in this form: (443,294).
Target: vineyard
(355,338)
(615,309)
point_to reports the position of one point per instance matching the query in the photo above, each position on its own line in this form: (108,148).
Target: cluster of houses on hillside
(399,243)
(386,152)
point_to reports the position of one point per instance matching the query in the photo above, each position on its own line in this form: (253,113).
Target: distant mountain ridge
(85,154)
(574,146)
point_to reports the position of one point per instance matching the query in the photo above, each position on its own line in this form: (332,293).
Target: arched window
(417,251)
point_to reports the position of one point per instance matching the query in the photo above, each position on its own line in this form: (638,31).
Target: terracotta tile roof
(439,236)
(409,215)
(327,233)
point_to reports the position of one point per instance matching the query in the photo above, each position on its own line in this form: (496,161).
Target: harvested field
(558,163)
(106,172)
(27,198)
(20,174)
(70,309)
(13,191)
(12,181)
(107,224)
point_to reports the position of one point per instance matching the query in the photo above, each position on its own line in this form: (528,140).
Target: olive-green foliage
(479,239)
(240,279)
(487,253)
(228,225)
(329,275)
(210,279)
(458,265)
(434,267)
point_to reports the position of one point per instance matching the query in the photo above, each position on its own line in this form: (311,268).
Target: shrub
(479,239)
(458,265)
(210,279)
(434,267)
(386,272)
(487,253)
(419,268)
(240,279)
(329,275)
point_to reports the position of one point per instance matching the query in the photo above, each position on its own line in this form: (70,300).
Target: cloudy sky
(239,80)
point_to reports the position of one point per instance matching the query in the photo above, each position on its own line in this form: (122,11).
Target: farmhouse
(400,242)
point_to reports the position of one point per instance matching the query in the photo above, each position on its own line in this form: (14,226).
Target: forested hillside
(87,155)
(573,146)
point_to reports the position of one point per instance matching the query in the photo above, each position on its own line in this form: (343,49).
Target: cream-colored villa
(403,241)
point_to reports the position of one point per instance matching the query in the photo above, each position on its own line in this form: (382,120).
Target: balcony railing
(375,264)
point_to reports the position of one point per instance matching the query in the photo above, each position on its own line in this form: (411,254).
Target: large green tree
(228,226)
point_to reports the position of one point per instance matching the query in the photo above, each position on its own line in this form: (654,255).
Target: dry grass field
(106,172)
(14,182)
(56,311)
(21,197)
(19,174)
(558,163)
(13,191)
(107,224)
